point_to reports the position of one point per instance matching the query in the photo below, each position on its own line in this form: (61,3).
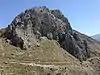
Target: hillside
(41,41)
(49,58)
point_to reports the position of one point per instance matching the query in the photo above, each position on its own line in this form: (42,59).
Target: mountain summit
(41,41)
(26,29)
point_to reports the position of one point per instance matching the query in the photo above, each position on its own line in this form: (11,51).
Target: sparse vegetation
(40,41)
(15,61)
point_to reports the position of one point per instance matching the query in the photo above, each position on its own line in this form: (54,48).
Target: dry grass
(48,59)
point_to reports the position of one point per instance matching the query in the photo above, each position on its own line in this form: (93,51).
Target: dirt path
(35,64)
(1,46)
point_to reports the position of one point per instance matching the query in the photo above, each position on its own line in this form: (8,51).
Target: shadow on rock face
(13,37)
(17,41)
(76,46)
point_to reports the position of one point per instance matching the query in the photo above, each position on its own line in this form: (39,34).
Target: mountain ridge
(43,41)
(96,37)
(40,21)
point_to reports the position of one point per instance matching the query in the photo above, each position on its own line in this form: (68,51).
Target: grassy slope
(48,58)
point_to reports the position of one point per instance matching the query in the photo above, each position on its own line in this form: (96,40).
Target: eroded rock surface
(27,28)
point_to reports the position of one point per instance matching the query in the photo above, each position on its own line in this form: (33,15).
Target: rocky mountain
(97,37)
(29,26)
(41,41)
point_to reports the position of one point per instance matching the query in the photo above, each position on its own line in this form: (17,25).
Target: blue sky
(84,15)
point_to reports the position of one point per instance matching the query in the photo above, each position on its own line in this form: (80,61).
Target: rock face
(29,26)
(76,46)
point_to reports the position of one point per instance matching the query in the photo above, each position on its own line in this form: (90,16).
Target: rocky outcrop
(76,46)
(29,26)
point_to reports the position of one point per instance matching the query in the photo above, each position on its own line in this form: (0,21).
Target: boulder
(49,36)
